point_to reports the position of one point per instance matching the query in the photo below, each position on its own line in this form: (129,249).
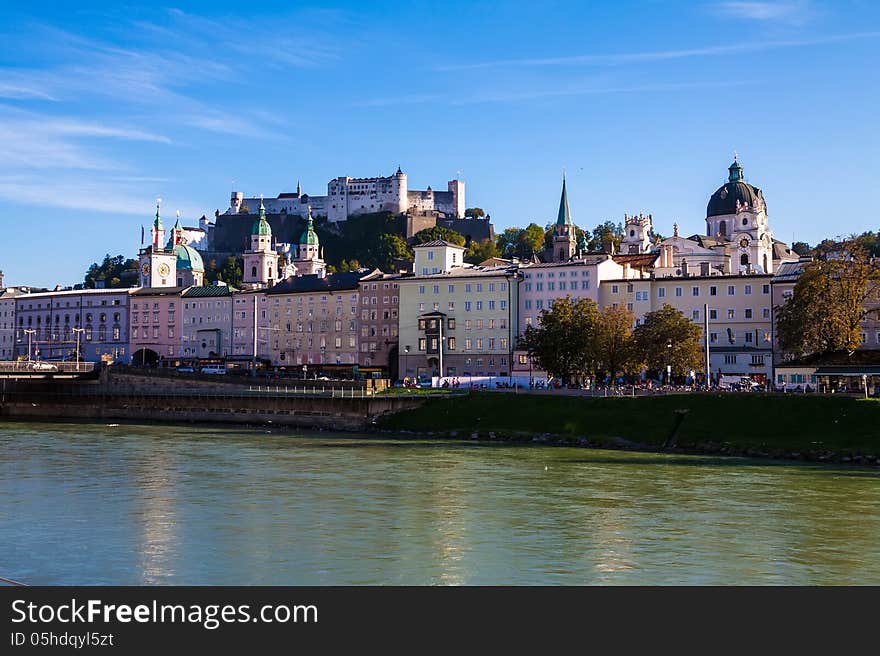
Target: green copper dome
(188,258)
(309,237)
(261,225)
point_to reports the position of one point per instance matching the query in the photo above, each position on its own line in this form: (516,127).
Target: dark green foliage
(437,232)
(113,271)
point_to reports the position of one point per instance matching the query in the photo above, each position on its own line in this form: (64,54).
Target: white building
(350,196)
(7,320)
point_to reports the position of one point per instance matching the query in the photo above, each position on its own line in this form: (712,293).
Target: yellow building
(458,321)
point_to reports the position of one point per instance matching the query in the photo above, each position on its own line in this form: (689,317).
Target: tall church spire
(564,217)
(299,191)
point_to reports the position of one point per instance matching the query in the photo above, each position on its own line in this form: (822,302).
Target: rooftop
(313,283)
(438,242)
(210,290)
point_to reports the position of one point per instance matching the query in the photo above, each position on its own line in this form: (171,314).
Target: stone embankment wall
(128,398)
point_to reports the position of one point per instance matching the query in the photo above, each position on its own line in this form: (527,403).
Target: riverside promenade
(130,394)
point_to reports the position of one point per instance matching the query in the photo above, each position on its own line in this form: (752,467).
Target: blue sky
(103,108)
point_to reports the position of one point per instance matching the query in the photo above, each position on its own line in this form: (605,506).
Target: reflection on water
(96,504)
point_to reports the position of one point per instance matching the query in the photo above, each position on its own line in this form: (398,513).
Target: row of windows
(469,343)
(49,305)
(102,317)
(469,324)
(469,288)
(551,274)
(695,291)
(146,306)
(552,286)
(145,332)
(374,300)
(730,337)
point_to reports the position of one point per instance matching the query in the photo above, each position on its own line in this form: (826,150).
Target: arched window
(632,233)
(745,221)
(253,272)
(766,268)
(744,259)
(270,272)
(722,229)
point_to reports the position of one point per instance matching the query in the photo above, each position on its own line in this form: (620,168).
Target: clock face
(145,269)
(163,269)
(744,242)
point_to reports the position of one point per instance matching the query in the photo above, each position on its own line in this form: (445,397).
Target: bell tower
(158,265)
(564,237)
(260,260)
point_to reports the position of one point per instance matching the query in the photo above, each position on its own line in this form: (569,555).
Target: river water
(105,504)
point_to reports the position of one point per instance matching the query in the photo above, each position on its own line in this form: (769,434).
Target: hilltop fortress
(351,196)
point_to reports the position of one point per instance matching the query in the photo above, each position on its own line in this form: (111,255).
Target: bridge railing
(46,367)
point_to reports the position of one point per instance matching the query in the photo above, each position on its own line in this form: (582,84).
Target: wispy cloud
(660,55)
(122,196)
(503,96)
(37,141)
(795,12)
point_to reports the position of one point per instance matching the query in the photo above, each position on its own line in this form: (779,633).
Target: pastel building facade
(93,320)
(250,318)
(378,323)
(740,315)
(460,321)
(207,318)
(156,322)
(313,322)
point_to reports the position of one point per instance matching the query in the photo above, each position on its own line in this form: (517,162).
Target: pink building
(543,283)
(155,325)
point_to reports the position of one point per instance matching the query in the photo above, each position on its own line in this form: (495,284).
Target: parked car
(213,369)
(186,369)
(43,366)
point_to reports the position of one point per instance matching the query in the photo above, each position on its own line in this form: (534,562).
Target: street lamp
(669,366)
(78,331)
(29,332)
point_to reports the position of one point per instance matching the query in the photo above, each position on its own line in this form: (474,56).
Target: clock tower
(158,265)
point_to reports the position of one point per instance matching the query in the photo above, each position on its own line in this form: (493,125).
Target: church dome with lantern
(736,194)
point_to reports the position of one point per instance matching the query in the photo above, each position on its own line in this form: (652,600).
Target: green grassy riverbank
(812,427)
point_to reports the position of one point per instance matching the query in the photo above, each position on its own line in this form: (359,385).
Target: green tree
(438,232)
(802,248)
(530,241)
(831,299)
(112,272)
(506,242)
(564,342)
(606,232)
(479,251)
(668,338)
(474,212)
(615,346)
(231,271)
(391,247)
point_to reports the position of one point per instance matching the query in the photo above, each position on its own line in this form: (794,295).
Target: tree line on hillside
(575,340)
